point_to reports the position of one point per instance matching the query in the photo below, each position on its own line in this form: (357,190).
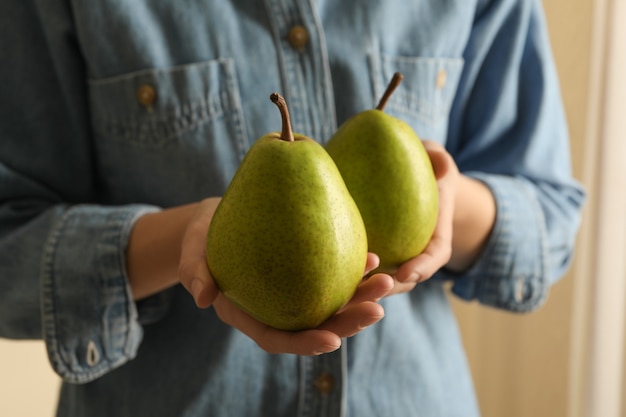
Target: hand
(361,311)
(439,250)
(193,272)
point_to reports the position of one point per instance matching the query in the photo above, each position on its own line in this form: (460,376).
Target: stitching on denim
(166,126)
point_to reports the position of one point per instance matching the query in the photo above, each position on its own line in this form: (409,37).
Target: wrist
(153,250)
(474,217)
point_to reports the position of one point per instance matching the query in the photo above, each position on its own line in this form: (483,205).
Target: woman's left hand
(439,250)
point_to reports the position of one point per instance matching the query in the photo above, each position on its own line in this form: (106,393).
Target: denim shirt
(110,109)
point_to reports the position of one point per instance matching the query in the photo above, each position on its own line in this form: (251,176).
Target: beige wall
(28,387)
(548,363)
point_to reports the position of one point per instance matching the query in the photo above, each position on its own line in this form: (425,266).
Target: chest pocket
(425,96)
(169,135)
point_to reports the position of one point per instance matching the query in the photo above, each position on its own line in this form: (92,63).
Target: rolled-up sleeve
(508,129)
(90,321)
(62,262)
(522,258)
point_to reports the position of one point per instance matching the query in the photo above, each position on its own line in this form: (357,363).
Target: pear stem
(287,133)
(393,84)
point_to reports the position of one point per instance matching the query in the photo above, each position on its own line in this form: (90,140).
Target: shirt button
(298,36)
(146,95)
(442,77)
(324,383)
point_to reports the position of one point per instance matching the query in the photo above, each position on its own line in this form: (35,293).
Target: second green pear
(390,176)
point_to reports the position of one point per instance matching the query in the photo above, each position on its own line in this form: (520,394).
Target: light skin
(168,247)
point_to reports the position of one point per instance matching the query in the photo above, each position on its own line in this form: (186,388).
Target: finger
(354,318)
(401,287)
(436,254)
(439,158)
(306,342)
(372,289)
(372,263)
(194,276)
(193,272)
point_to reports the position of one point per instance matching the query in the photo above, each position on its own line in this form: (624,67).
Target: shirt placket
(304,67)
(322,385)
(307,88)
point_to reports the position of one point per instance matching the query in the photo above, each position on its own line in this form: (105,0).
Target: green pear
(287,243)
(390,176)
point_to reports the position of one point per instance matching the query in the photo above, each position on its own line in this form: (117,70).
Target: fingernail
(196,288)
(414,277)
(326,349)
(372,320)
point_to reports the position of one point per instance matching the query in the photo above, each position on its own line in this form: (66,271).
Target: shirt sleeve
(508,129)
(62,254)
(90,321)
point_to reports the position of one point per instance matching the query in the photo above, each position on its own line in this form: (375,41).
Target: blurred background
(567,359)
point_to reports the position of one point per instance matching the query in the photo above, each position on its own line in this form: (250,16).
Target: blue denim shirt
(112,108)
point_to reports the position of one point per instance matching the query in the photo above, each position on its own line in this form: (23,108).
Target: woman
(122,124)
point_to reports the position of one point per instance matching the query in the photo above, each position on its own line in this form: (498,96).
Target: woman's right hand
(193,271)
(360,312)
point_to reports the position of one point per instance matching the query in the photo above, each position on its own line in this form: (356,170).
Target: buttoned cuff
(512,272)
(90,321)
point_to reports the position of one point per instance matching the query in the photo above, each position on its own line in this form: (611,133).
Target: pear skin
(390,176)
(287,243)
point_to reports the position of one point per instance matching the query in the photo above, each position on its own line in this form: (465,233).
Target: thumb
(440,158)
(194,276)
(193,272)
